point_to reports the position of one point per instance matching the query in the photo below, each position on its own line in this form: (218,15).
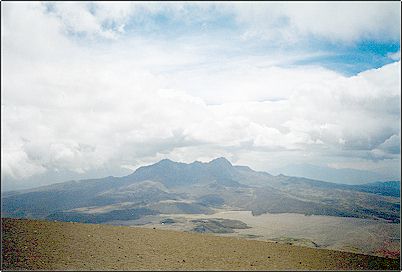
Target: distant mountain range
(325,173)
(171,187)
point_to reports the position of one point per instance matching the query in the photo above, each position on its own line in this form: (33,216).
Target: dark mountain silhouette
(173,187)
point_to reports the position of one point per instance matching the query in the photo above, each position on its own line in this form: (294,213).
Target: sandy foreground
(38,245)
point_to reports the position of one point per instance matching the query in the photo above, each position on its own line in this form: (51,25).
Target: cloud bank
(79,94)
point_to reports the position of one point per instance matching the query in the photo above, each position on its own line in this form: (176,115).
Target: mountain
(388,188)
(344,175)
(173,174)
(171,187)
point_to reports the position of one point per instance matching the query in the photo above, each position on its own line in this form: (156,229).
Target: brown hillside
(33,245)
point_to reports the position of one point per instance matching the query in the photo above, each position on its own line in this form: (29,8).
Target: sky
(94,89)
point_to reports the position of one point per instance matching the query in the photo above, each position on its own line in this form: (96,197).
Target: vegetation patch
(130,214)
(218,225)
(296,241)
(168,221)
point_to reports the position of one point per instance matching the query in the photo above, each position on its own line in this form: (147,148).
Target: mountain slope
(388,188)
(173,174)
(187,185)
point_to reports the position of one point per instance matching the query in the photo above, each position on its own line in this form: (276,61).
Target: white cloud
(337,21)
(347,21)
(275,21)
(128,123)
(104,19)
(68,106)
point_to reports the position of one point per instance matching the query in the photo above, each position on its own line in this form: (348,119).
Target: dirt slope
(29,244)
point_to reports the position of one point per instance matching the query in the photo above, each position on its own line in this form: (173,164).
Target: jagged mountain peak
(218,161)
(172,173)
(222,161)
(239,186)
(166,161)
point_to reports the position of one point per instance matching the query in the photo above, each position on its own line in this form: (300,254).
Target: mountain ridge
(184,183)
(168,161)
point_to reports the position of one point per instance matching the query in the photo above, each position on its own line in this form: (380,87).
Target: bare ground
(43,245)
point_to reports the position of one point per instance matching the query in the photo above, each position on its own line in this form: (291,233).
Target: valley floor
(37,245)
(356,235)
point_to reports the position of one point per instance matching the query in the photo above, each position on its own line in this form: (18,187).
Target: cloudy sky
(97,89)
